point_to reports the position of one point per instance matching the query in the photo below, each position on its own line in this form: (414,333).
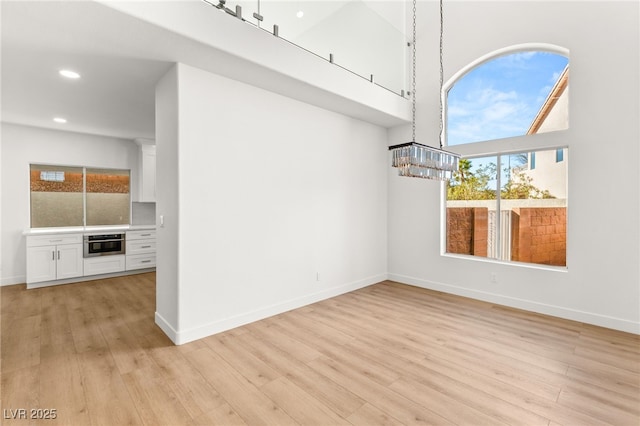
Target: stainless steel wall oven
(104,244)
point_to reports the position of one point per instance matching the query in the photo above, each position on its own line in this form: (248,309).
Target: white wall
(21,146)
(167,200)
(362,41)
(601,284)
(271,192)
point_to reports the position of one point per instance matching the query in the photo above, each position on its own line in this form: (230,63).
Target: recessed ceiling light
(300,14)
(69,74)
(60,120)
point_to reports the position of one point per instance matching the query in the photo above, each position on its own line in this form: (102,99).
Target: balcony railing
(365,38)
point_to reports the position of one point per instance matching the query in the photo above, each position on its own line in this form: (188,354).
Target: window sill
(508,263)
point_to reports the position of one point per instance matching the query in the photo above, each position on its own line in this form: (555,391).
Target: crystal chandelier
(417,160)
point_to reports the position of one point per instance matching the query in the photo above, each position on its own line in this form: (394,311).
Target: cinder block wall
(539,235)
(467,230)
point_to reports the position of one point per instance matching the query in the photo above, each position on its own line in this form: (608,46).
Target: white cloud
(544,91)
(486,114)
(516,60)
(457,111)
(501,111)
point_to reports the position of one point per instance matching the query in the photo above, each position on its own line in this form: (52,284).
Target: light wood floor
(386,354)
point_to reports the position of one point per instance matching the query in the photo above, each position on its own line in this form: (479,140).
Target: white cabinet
(147,170)
(54,257)
(142,246)
(41,264)
(141,249)
(58,258)
(69,261)
(104,264)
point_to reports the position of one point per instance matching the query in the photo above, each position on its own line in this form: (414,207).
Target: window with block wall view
(78,196)
(510,205)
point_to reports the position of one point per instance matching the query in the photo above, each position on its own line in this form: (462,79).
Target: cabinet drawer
(104,264)
(141,246)
(52,240)
(140,261)
(141,235)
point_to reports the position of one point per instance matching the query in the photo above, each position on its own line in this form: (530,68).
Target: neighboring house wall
(548,173)
(558,117)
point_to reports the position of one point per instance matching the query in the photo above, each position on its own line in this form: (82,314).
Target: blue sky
(500,98)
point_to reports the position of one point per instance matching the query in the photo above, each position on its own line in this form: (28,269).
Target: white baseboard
(166,328)
(513,302)
(85,278)
(195,333)
(20,279)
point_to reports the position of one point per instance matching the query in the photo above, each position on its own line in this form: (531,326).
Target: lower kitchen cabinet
(141,250)
(141,261)
(54,258)
(58,258)
(104,264)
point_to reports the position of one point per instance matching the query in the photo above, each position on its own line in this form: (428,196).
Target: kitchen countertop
(86,229)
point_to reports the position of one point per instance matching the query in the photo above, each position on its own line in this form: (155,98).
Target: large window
(508,203)
(78,196)
(499,208)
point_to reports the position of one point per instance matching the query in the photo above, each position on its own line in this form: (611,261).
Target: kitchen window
(78,196)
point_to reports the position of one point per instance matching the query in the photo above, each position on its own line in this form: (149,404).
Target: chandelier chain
(441,118)
(413,90)
(414,159)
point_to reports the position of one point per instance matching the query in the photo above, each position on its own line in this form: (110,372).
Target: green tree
(469,185)
(474,185)
(519,187)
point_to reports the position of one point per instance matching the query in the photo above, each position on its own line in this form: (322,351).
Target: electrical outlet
(493,277)
(317,276)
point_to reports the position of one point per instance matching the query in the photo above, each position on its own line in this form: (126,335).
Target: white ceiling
(114,96)
(120,58)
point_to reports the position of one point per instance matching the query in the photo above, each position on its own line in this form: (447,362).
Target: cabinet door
(41,264)
(69,259)
(148,173)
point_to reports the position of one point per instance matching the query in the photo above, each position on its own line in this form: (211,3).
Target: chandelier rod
(414,159)
(441,118)
(413,76)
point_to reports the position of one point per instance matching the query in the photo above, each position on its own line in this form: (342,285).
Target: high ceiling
(115,94)
(120,59)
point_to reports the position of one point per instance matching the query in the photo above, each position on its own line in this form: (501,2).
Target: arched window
(508,200)
(509,93)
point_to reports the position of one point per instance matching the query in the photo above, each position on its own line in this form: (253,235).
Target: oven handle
(101,241)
